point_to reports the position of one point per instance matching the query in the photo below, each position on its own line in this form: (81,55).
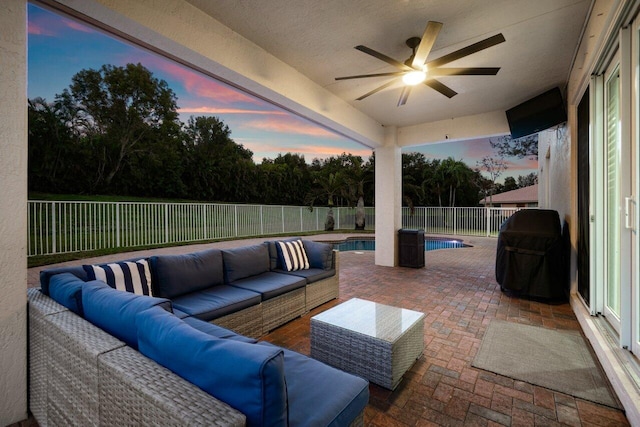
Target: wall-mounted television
(537,114)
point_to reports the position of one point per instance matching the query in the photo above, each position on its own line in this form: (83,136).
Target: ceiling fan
(416,69)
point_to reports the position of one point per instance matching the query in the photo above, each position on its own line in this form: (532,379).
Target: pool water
(370,245)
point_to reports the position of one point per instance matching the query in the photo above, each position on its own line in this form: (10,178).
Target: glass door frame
(633,334)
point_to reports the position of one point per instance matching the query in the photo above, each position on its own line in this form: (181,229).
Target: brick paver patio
(459,295)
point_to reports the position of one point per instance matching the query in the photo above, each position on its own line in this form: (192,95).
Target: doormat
(557,360)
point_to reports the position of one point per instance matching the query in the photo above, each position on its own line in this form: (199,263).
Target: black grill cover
(530,259)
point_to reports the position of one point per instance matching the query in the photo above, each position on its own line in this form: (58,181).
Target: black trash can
(530,259)
(410,248)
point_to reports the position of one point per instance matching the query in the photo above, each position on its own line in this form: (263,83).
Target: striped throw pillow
(129,276)
(293,255)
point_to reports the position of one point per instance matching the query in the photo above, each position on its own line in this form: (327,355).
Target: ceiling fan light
(414,78)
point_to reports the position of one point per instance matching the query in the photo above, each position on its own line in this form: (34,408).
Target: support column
(13,211)
(388,198)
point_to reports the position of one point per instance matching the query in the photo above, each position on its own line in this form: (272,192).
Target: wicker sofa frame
(81,375)
(258,320)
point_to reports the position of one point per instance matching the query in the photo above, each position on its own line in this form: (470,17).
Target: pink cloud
(477,149)
(77,26)
(290,126)
(53,25)
(310,152)
(39,30)
(216,110)
(525,163)
(197,84)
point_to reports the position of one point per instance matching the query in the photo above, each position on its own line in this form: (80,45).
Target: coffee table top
(376,320)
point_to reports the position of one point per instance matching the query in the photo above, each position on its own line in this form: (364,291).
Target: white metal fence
(457,221)
(60,226)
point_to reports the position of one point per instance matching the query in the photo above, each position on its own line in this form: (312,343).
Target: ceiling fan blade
(469,71)
(361,76)
(376,90)
(428,39)
(443,89)
(465,51)
(383,57)
(404,95)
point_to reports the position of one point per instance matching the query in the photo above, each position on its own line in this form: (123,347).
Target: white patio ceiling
(317,38)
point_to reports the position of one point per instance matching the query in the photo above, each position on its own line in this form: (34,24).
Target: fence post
(205,228)
(53,227)
(261,221)
(118,232)
(235,210)
(301,221)
(455,221)
(488,222)
(317,220)
(166,222)
(338,220)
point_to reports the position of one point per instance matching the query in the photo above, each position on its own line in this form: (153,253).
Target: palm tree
(359,175)
(328,187)
(455,172)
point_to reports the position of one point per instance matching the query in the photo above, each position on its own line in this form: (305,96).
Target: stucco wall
(13,212)
(554,171)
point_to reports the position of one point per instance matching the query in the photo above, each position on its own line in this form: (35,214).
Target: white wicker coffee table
(375,341)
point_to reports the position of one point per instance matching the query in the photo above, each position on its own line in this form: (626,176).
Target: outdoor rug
(557,360)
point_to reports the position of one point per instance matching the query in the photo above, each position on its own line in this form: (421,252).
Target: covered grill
(530,259)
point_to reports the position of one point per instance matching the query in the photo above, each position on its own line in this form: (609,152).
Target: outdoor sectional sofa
(100,356)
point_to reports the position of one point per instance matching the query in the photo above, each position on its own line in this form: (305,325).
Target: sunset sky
(60,47)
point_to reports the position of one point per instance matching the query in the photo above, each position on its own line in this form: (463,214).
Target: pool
(430,244)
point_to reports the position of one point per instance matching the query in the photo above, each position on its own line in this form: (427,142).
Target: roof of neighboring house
(521,195)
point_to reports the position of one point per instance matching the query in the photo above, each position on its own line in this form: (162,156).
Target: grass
(40,260)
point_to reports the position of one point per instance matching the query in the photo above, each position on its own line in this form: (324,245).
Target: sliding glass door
(613,195)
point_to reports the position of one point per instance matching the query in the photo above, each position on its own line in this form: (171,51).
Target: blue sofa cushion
(216,331)
(271,284)
(179,313)
(248,377)
(336,397)
(292,255)
(115,311)
(130,276)
(311,275)
(216,302)
(46,275)
(320,254)
(66,289)
(176,275)
(244,262)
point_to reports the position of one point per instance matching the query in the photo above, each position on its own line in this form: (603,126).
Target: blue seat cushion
(336,397)
(179,313)
(320,255)
(245,262)
(175,275)
(216,302)
(311,275)
(115,311)
(271,284)
(248,377)
(66,289)
(216,331)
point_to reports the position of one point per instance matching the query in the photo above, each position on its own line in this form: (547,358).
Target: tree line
(116,131)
